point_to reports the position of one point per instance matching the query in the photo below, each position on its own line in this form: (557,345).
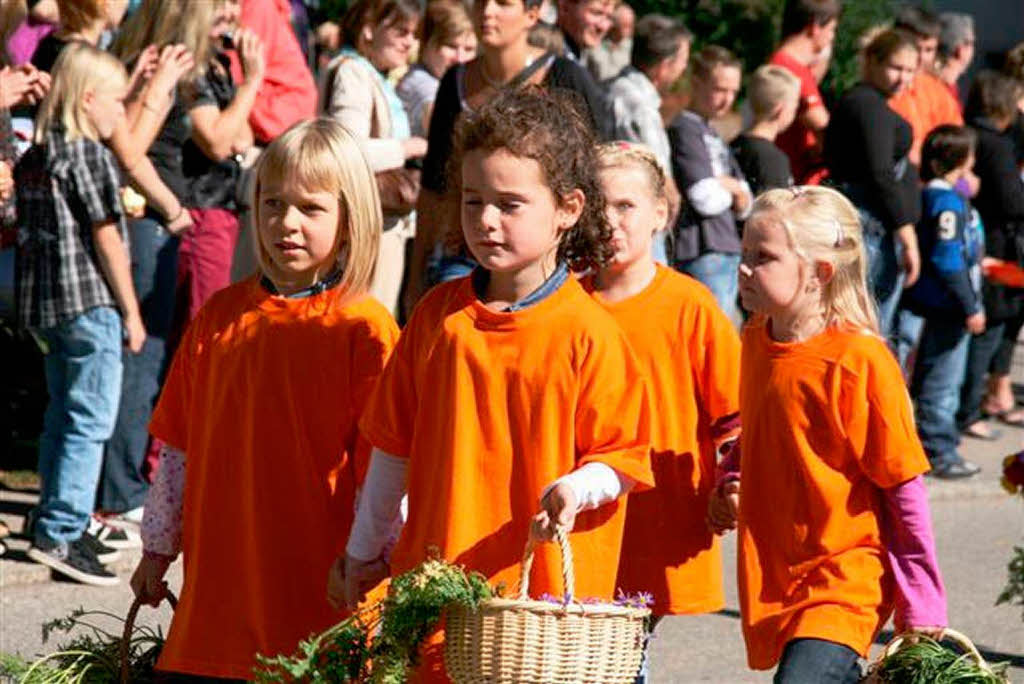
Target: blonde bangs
(321,156)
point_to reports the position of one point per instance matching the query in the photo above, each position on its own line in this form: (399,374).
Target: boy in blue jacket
(947,296)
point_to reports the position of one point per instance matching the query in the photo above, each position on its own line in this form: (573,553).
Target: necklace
(494,83)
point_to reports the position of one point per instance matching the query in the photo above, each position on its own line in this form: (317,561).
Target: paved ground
(976,524)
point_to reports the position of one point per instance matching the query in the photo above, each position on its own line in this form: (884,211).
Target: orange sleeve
(613,420)
(715,356)
(371,348)
(171,417)
(388,419)
(876,413)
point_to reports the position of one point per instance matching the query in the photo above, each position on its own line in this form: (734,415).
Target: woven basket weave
(526,641)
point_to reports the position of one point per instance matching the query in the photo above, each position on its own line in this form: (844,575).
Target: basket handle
(568,574)
(959,638)
(129,627)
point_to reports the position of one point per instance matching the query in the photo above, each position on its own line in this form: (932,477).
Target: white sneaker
(115,538)
(128,520)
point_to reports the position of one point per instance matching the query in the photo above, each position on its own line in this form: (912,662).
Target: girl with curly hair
(513,404)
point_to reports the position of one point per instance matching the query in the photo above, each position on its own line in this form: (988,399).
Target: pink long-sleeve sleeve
(920,595)
(161,519)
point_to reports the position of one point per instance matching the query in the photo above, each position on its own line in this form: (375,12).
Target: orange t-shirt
(264,398)
(927,103)
(691,354)
(826,423)
(491,407)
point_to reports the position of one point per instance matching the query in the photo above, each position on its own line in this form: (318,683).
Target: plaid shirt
(64,189)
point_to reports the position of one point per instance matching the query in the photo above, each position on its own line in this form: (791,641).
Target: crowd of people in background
(136,190)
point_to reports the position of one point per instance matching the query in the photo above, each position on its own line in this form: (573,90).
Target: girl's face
(225,20)
(391,43)
(299,232)
(894,74)
(439,58)
(104,107)
(634,213)
(503,22)
(773,277)
(510,218)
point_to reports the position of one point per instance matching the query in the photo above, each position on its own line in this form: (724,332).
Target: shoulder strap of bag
(531,68)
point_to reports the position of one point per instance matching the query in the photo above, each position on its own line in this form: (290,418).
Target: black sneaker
(104,554)
(75,560)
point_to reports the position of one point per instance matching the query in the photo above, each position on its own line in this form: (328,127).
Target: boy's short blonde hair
(321,156)
(79,68)
(769,87)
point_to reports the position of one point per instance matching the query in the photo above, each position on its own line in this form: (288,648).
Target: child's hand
(358,577)
(724,506)
(148,579)
(558,509)
(976,323)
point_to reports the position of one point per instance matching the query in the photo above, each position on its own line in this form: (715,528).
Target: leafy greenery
(1014,591)
(388,633)
(90,657)
(929,662)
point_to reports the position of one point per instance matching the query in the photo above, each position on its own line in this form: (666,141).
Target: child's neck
(768,130)
(90,34)
(953,176)
(619,283)
(796,327)
(505,288)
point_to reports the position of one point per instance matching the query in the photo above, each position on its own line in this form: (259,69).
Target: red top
(798,141)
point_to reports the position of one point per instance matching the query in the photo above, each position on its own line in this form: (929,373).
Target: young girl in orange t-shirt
(512,397)
(690,353)
(834,524)
(259,414)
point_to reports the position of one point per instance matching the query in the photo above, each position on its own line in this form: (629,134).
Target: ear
(824,271)
(570,208)
(661,214)
(533,15)
(777,111)
(88,99)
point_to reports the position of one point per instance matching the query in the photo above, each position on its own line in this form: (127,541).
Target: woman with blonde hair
(274,371)
(194,153)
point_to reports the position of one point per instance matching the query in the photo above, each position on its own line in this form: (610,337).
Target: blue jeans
(442,267)
(907,334)
(155,273)
(938,377)
(720,273)
(885,277)
(83,376)
(980,352)
(816,661)
(659,246)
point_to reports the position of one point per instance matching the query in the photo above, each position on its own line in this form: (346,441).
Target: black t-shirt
(764,165)
(47,51)
(563,74)
(210,183)
(866,146)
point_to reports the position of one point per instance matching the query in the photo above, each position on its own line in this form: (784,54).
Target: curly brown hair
(549,128)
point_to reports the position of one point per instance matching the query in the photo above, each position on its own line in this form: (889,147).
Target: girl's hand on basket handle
(359,577)
(929,631)
(148,579)
(558,509)
(724,506)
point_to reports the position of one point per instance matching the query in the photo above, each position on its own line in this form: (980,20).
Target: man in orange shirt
(927,103)
(808,30)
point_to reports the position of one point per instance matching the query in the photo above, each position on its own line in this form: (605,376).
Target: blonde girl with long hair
(834,525)
(74,289)
(261,403)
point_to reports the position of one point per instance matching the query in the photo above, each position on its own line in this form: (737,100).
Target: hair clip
(840,234)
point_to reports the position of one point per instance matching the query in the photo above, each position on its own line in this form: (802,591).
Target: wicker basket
(526,641)
(898,642)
